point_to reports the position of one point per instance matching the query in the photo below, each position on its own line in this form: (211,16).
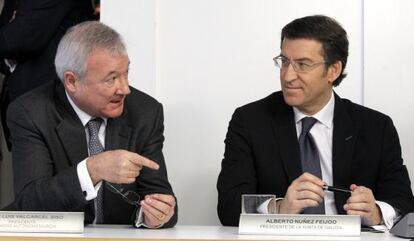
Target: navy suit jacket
(262,155)
(49,141)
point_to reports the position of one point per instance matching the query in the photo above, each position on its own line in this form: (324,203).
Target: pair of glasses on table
(128,196)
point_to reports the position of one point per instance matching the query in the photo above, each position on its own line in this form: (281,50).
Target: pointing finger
(143,161)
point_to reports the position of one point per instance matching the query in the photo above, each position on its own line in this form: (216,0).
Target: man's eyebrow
(109,74)
(114,72)
(299,59)
(303,59)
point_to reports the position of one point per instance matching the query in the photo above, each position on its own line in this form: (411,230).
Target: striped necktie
(95,147)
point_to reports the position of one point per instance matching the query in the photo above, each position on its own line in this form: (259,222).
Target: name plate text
(300,224)
(41,222)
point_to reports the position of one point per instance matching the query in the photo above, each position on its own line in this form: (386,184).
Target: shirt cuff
(389,215)
(139,220)
(264,207)
(85,181)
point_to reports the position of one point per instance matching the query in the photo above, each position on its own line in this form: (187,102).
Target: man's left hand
(362,203)
(158,209)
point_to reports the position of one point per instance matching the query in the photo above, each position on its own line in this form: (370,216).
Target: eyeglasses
(130,197)
(301,66)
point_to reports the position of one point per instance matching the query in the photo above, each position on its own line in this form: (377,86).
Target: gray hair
(79,42)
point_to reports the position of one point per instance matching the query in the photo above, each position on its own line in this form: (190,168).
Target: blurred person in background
(30,31)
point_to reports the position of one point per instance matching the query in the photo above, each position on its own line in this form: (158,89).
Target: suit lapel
(70,130)
(343,145)
(73,140)
(118,133)
(286,138)
(117,136)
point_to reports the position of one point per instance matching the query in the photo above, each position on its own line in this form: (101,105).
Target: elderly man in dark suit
(296,141)
(90,142)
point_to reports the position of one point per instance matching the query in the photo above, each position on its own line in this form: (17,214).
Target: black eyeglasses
(130,197)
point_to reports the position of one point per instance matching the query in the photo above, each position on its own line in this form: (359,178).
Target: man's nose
(123,87)
(288,73)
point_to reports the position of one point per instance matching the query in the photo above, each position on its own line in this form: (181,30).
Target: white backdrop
(204,58)
(389,79)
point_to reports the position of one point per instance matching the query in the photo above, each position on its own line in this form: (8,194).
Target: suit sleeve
(393,186)
(237,174)
(37,185)
(34,25)
(156,181)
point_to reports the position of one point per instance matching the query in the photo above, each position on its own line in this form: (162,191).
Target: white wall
(389,78)
(135,20)
(204,58)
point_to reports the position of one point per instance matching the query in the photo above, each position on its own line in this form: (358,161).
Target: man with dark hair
(296,142)
(89,142)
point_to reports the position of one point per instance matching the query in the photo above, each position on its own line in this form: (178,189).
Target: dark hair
(325,30)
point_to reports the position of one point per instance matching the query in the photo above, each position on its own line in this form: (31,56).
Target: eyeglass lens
(130,197)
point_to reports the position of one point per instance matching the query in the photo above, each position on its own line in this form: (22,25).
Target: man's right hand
(305,191)
(118,166)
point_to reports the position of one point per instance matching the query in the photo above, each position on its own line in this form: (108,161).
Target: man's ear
(70,81)
(334,71)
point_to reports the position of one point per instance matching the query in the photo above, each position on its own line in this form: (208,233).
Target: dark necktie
(310,159)
(96,147)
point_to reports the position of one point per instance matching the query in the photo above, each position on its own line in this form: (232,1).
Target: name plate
(41,222)
(300,224)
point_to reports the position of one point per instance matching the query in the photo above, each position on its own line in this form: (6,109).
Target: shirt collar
(83,116)
(324,116)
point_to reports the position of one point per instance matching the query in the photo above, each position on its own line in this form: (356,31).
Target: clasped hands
(307,191)
(120,166)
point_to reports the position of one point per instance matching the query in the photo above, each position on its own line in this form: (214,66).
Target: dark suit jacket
(262,155)
(32,38)
(49,141)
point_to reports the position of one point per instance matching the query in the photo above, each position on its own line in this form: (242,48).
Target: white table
(181,232)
